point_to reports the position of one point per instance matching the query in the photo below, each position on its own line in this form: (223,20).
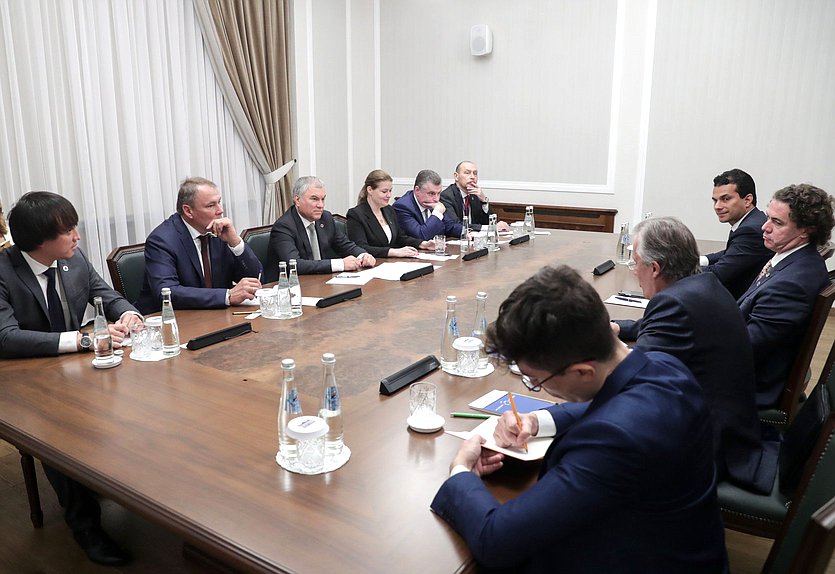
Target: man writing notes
(198,253)
(735,203)
(628,483)
(306,232)
(777,305)
(46,284)
(421,213)
(691,317)
(465,197)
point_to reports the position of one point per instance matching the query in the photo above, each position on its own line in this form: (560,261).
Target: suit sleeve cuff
(547,426)
(238,250)
(337,266)
(458,469)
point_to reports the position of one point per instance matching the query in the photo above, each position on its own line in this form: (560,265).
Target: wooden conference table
(190,442)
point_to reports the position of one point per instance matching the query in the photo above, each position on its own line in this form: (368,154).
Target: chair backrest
(796,382)
(817,544)
(258,238)
(341,223)
(127,270)
(816,488)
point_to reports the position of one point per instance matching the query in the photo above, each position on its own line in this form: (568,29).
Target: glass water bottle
(331,410)
(480,327)
(622,252)
(283,292)
(295,291)
(170,332)
(289,407)
(449,356)
(102,340)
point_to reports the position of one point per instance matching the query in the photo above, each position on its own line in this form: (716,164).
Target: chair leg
(27,463)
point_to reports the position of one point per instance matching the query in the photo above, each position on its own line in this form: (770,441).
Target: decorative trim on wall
(646,101)
(378,89)
(349,89)
(524,185)
(311,101)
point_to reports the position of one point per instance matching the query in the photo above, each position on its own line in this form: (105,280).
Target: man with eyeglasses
(692,317)
(421,213)
(628,482)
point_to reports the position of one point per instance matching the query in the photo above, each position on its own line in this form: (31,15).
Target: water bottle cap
(288,364)
(451,299)
(307,428)
(466,344)
(481,295)
(165,291)
(154,322)
(328,358)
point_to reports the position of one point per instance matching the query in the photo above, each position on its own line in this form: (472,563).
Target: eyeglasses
(535,385)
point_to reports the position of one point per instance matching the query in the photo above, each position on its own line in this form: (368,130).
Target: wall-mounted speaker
(481,40)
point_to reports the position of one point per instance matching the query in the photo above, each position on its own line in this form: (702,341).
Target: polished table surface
(190,442)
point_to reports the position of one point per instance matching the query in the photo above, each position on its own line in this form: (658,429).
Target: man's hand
(508,433)
(479,460)
(615,328)
(439,209)
(118,332)
(476,191)
(129,320)
(225,230)
(502,226)
(366,260)
(244,290)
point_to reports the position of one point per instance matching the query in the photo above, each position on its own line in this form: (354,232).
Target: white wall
(629,104)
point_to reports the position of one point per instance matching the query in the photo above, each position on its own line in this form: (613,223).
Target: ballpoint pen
(469,415)
(627,299)
(518,418)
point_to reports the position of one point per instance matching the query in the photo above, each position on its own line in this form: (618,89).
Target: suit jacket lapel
(306,250)
(187,244)
(67,271)
(374,225)
(24,272)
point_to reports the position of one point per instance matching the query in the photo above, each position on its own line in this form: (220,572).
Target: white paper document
(392,271)
(352,277)
(310,301)
(433,257)
(627,301)
(536,446)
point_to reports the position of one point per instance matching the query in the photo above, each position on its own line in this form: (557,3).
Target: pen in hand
(518,418)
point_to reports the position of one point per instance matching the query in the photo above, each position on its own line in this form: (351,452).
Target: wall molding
(524,186)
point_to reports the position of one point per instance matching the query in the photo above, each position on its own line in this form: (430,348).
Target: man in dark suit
(46,284)
(465,197)
(199,255)
(778,304)
(735,202)
(627,484)
(421,213)
(306,233)
(691,317)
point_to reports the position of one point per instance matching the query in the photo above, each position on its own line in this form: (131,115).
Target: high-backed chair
(341,224)
(813,551)
(806,449)
(258,238)
(789,403)
(127,270)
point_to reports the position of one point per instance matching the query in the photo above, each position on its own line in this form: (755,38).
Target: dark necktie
(53,303)
(467,204)
(766,271)
(207,263)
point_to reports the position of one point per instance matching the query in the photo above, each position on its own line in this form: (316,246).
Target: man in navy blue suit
(198,254)
(778,304)
(306,232)
(628,484)
(693,318)
(421,213)
(465,197)
(735,203)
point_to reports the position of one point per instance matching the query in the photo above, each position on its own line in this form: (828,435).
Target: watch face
(86,341)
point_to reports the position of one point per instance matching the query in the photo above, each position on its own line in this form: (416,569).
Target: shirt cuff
(337,266)
(433,214)
(703,261)
(547,426)
(68,343)
(458,469)
(238,249)
(226,301)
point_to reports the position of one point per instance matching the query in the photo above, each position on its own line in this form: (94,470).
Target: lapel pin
(65,268)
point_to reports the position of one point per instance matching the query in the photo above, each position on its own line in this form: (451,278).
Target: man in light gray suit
(46,283)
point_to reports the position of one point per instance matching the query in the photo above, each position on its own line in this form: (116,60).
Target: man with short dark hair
(421,213)
(199,255)
(465,197)
(691,317)
(306,232)
(735,203)
(46,283)
(629,480)
(778,304)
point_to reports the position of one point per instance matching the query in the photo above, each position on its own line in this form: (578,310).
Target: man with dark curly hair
(779,302)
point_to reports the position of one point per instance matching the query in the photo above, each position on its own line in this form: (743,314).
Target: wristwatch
(86,342)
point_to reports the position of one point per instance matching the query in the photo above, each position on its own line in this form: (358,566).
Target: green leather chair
(805,455)
(127,270)
(811,553)
(791,399)
(341,224)
(258,238)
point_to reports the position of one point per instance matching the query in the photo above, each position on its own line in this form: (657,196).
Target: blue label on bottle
(453,327)
(294,406)
(332,402)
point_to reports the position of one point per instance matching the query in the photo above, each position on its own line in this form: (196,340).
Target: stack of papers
(536,446)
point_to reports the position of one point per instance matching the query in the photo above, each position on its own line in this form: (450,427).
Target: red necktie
(207,264)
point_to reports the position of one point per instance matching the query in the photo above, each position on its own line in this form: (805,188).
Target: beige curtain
(247,42)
